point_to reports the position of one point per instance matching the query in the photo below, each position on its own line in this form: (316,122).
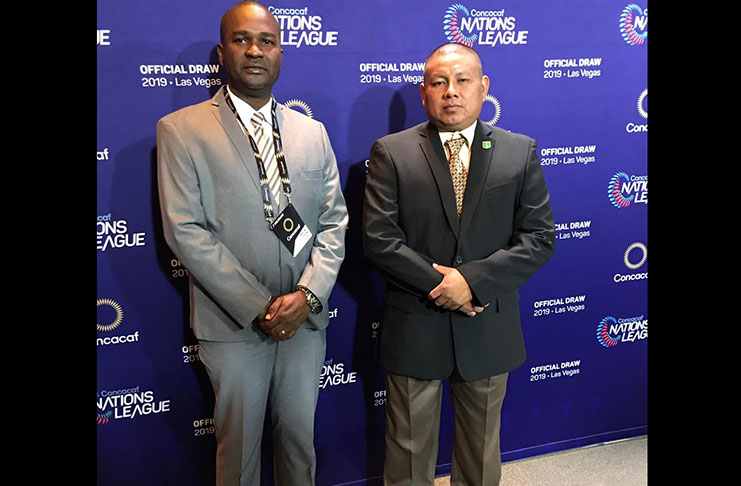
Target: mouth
(254,69)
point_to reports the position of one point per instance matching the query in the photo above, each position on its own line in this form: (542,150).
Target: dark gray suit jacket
(505,234)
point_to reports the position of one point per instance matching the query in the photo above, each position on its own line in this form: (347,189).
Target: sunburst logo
(301,105)
(643,252)
(118,314)
(603,335)
(497,109)
(632,20)
(452,25)
(643,104)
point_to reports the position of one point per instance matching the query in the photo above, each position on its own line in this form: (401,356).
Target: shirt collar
(467,133)
(246,111)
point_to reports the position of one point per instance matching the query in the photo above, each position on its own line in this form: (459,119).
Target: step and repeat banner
(570,73)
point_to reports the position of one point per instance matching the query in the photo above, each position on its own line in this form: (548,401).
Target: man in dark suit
(455,231)
(252,205)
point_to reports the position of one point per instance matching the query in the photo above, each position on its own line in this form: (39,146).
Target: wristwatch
(314,304)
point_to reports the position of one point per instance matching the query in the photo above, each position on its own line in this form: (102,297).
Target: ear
(422,92)
(220,52)
(485,84)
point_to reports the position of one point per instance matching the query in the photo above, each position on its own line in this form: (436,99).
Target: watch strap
(314,304)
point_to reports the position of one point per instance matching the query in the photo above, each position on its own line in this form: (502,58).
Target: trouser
(413,424)
(246,377)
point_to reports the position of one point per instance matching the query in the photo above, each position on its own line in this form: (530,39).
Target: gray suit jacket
(505,234)
(214,222)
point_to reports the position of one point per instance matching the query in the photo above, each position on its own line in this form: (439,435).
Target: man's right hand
(470,309)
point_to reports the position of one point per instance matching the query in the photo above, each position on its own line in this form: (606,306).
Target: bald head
(450,47)
(245,3)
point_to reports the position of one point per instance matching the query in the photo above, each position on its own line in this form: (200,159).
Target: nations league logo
(603,335)
(115,234)
(104,418)
(451,25)
(299,27)
(128,404)
(634,24)
(612,331)
(623,190)
(488,27)
(301,105)
(335,374)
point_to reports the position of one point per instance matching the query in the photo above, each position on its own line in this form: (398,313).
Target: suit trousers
(247,376)
(413,424)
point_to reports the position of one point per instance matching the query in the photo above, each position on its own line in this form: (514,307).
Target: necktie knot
(454,146)
(257,120)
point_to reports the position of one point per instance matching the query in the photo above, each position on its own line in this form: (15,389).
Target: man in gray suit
(455,231)
(252,206)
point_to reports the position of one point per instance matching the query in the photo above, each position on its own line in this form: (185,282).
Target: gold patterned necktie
(264,144)
(457,170)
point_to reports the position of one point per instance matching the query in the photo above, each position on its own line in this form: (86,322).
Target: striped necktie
(265,145)
(457,170)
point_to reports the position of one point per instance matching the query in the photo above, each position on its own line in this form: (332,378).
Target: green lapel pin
(486,144)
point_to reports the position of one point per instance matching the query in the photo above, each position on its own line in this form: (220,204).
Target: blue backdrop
(570,73)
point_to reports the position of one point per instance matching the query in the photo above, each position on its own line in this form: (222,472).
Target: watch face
(314,304)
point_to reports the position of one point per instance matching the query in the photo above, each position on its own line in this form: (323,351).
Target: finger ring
(283,332)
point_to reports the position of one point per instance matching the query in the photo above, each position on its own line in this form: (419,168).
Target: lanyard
(279,157)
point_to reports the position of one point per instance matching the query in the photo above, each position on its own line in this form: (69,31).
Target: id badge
(291,230)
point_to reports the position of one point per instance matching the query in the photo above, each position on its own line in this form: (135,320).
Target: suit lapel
(233,129)
(477,172)
(438,162)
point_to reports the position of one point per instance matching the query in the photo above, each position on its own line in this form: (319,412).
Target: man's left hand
(453,291)
(285,315)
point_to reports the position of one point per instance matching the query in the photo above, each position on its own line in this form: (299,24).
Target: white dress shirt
(467,134)
(246,112)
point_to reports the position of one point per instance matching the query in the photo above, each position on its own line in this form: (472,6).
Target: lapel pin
(486,144)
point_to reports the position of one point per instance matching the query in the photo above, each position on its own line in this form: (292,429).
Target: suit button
(458,260)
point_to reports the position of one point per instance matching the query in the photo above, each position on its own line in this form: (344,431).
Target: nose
(253,50)
(450,92)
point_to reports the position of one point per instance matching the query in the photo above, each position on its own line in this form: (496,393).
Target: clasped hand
(453,293)
(284,315)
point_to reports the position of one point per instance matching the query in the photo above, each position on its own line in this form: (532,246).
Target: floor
(619,463)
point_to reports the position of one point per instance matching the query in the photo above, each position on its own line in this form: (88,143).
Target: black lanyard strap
(279,157)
